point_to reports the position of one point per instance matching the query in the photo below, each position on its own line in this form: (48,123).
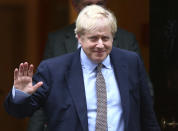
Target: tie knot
(99,66)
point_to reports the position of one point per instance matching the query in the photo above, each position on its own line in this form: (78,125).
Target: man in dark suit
(64,41)
(70,90)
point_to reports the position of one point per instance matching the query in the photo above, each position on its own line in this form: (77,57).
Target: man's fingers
(16,74)
(25,69)
(37,85)
(21,69)
(30,70)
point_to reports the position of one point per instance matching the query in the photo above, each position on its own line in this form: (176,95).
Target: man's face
(97,44)
(79,6)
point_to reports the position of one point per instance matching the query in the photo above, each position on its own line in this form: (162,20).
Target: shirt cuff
(18,95)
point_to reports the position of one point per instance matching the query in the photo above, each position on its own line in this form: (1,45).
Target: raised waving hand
(23,78)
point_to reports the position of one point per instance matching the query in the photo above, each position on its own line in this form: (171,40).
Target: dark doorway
(164,61)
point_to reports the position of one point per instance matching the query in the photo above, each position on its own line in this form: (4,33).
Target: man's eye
(105,38)
(93,38)
(87,4)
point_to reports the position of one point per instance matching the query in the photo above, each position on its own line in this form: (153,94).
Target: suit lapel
(70,40)
(121,73)
(76,87)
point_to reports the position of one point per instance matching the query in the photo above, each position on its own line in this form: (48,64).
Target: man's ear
(79,38)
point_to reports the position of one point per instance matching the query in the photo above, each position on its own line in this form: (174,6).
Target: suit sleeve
(135,47)
(54,47)
(127,40)
(33,102)
(19,110)
(148,118)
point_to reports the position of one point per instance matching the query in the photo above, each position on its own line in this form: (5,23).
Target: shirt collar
(89,65)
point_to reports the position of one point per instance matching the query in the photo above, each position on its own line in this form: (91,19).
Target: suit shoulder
(125,33)
(125,57)
(124,53)
(68,29)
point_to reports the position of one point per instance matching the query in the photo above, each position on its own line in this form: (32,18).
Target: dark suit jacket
(64,41)
(63,95)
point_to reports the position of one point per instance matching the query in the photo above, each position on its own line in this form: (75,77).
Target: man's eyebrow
(92,37)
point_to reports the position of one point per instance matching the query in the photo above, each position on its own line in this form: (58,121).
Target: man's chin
(99,60)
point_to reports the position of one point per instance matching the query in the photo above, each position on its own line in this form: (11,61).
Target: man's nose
(100,44)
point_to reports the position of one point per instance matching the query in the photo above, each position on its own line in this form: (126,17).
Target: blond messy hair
(87,19)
